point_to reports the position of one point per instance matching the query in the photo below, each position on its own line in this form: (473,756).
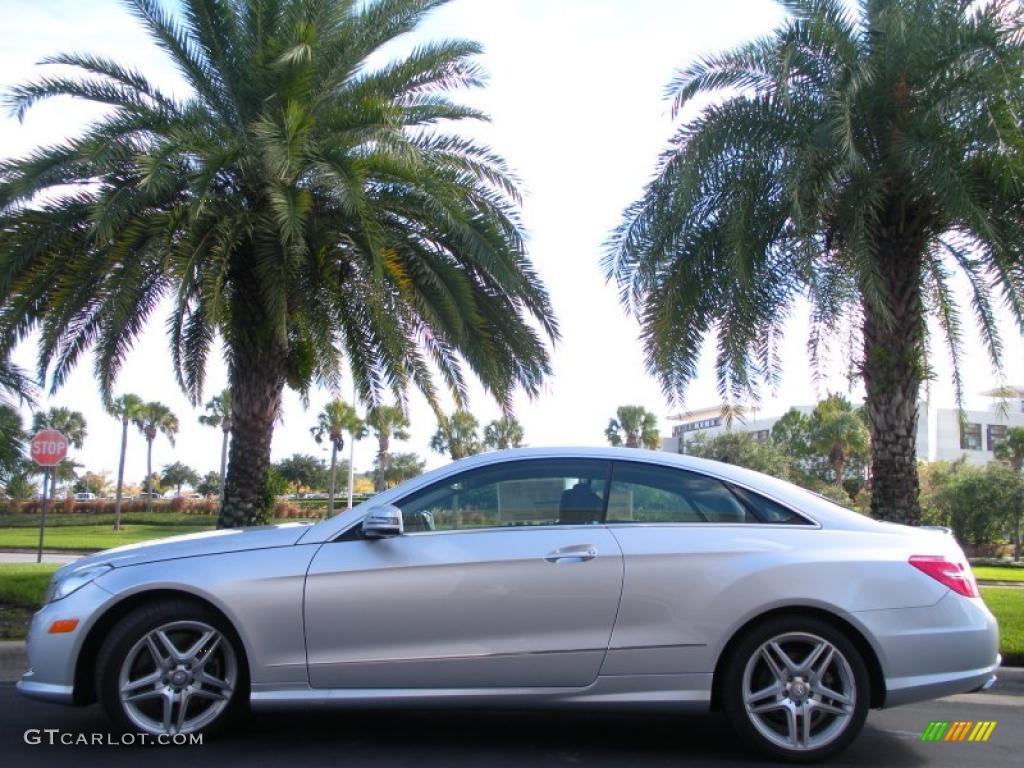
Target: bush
(177,504)
(287,510)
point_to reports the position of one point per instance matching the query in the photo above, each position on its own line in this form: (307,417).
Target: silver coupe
(614,578)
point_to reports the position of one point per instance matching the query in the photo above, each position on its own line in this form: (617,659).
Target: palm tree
(72,425)
(125,408)
(853,158)
(457,435)
(387,422)
(305,202)
(154,419)
(838,432)
(179,474)
(503,433)
(637,424)
(218,414)
(337,418)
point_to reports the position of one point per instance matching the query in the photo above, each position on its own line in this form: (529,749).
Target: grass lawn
(1007,603)
(995,573)
(22,588)
(86,537)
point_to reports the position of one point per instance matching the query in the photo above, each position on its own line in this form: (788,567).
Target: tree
(152,484)
(400,467)
(97,483)
(308,201)
(209,484)
(126,409)
(303,471)
(1011,450)
(69,423)
(12,442)
(177,475)
(72,425)
(635,424)
(838,433)
(741,449)
(19,485)
(457,435)
(387,422)
(154,419)
(503,433)
(977,502)
(337,418)
(218,414)
(853,158)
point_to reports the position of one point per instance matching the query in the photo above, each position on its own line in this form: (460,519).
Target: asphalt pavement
(386,739)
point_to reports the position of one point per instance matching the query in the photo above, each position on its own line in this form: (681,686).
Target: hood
(196,544)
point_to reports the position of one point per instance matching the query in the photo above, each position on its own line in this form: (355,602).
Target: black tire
(125,638)
(839,730)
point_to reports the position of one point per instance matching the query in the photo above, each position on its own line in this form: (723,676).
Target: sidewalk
(30,557)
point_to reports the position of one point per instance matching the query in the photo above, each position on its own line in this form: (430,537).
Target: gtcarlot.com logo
(55,737)
(958,730)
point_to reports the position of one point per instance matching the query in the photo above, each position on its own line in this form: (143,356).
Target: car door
(505,577)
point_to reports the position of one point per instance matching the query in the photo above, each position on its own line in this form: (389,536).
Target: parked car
(85,496)
(533,577)
(152,495)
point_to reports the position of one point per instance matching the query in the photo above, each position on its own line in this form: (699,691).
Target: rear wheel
(173,667)
(796,688)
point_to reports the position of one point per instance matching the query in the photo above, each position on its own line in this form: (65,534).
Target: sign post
(49,447)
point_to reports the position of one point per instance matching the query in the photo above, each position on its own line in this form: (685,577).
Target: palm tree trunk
(893,371)
(149,475)
(257,380)
(334,472)
(223,469)
(120,474)
(383,444)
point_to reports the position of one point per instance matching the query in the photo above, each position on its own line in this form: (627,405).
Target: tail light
(956,576)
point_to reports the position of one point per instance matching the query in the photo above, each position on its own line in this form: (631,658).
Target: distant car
(195,497)
(85,496)
(145,495)
(532,578)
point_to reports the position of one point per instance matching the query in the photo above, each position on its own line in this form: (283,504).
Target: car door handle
(578,553)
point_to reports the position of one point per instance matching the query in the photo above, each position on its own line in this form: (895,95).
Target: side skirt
(669,693)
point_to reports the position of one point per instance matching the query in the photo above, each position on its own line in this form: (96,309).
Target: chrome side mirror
(383,522)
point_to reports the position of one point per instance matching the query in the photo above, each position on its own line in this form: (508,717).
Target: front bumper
(52,657)
(935,651)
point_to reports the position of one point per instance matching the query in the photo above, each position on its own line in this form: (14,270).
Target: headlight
(66,583)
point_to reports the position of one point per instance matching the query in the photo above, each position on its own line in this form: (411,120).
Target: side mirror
(383,522)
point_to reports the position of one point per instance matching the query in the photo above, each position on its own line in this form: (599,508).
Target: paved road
(387,739)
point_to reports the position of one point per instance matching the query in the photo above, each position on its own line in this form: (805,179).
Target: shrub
(177,504)
(286,509)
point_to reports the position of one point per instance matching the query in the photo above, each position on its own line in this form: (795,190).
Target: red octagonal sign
(49,447)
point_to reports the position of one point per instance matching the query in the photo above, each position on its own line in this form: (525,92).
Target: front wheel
(169,668)
(796,688)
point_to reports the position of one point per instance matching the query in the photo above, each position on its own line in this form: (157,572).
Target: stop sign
(49,447)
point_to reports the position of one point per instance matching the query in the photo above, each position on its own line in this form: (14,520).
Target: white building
(940,435)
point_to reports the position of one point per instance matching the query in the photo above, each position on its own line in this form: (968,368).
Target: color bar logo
(958,730)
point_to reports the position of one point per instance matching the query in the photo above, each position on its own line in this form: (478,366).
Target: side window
(532,492)
(645,493)
(767,510)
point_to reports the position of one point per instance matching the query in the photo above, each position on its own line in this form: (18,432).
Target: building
(940,434)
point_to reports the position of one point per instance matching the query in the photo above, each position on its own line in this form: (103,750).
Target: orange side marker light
(62,625)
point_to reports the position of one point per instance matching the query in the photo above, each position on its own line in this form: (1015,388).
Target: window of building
(996,435)
(761,436)
(970,437)
(696,426)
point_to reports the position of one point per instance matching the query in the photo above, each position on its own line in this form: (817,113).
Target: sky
(576,96)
